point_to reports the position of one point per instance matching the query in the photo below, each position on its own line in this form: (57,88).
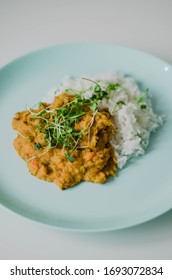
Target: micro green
(143,106)
(41,103)
(69,157)
(98,94)
(141,98)
(37,146)
(113,87)
(120,102)
(97,88)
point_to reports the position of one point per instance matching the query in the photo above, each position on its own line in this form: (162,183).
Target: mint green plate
(140,192)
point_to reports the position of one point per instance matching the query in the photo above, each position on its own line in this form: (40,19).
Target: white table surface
(29,25)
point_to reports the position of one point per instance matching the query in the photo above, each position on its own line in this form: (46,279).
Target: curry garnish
(58,125)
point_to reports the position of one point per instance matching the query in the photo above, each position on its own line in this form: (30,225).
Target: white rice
(133,125)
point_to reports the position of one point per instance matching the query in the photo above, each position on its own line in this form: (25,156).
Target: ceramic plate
(140,192)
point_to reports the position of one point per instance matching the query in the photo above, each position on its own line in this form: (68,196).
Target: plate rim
(35,51)
(88,229)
